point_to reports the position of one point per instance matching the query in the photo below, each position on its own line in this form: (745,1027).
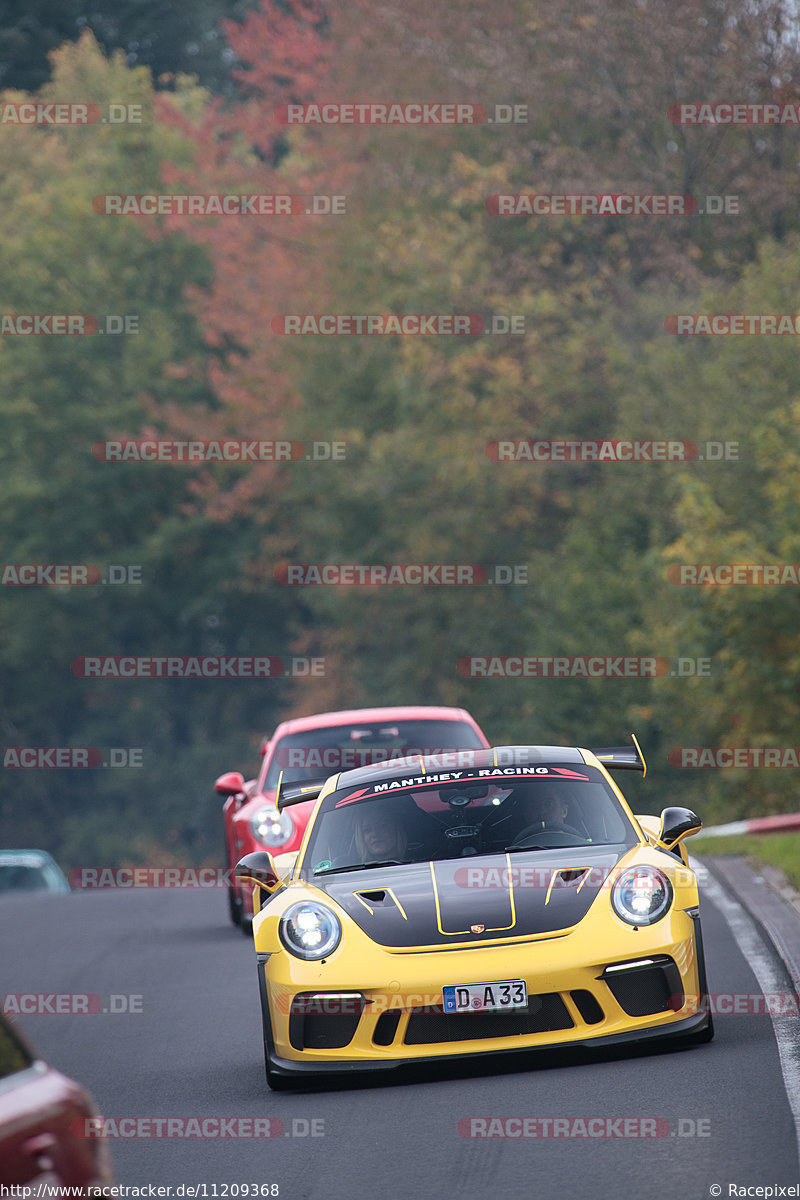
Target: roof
(350,716)
(26,857)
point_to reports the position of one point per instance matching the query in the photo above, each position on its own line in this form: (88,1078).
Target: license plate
(485,997)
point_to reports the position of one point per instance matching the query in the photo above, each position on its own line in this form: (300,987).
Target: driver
(544,809)
(548,807)
(380,836)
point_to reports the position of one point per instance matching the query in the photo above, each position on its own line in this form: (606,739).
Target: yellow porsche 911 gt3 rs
(471,903)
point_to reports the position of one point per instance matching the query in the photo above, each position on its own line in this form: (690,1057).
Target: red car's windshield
(317,753)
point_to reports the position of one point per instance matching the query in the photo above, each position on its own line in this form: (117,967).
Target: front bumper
(317,1023)
(291,1069)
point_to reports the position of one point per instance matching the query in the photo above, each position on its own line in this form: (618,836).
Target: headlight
(271,828)
(310,930)
(641,895)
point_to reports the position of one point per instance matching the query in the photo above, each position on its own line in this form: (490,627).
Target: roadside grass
(777,849)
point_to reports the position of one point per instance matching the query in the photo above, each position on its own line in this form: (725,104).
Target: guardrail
(781,823)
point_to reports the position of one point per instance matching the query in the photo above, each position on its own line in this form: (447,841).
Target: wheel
(703,1035)
(234,899)
(235,906)
(278,1083)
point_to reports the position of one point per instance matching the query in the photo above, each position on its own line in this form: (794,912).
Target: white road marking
(761,961)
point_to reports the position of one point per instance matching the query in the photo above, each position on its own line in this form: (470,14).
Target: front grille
(433,1024)
(587,1006)
(386,1027)
(320,1022)
(643,991)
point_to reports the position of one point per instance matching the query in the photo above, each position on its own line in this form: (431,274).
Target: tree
(59,397)
(171,39)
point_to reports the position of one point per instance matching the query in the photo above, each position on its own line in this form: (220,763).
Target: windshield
(317,753)
(422,818)
(22,877)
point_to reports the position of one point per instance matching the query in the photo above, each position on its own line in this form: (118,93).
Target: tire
(703,1035)
(234,907)
(278,1083)
(234,899)
(706,1034)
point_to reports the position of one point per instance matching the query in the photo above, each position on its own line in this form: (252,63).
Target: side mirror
(265,744)
(676,824)
(259,870)
(230,784)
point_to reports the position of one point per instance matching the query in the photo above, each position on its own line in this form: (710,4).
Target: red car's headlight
(272,828)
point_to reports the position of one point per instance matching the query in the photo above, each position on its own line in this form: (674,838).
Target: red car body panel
(42,1116)
(239,809)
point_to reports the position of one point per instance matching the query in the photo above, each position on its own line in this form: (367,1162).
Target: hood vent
(380,898)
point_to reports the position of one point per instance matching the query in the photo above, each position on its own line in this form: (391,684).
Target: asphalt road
(194,1051)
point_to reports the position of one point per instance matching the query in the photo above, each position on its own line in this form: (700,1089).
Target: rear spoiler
(296,793)
(622,758)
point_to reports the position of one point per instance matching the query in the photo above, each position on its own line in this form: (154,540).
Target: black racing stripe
(524,894)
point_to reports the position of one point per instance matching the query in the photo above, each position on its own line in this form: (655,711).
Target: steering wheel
(556,829)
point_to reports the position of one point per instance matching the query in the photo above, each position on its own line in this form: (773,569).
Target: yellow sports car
(471,903)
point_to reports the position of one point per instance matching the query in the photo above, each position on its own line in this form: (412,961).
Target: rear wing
(296,793)
(622,758)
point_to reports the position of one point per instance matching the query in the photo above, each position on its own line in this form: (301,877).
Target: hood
(477,900)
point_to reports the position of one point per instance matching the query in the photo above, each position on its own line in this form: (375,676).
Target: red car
(312,748)
(42,1117)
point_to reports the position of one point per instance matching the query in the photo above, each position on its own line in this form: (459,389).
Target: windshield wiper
(386,862)
(515,849)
